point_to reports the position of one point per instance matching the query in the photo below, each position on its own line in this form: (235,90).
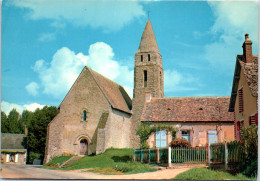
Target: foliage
(4,123)
(206,174)
(145,130)
(180,143)
(250,137)
(33,156)
(249,165)
(11,123)
(37,129)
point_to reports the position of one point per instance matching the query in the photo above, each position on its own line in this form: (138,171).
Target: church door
(83,147)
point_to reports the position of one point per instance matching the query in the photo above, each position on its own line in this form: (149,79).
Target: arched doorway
(83,147)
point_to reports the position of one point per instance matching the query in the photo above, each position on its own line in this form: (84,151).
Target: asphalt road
(35,172)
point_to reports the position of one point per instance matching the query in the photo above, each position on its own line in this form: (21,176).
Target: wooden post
(209,153)
(157,155)
(169,156)
(226,156)
(149,155)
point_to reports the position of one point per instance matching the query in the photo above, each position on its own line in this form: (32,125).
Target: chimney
(247,49)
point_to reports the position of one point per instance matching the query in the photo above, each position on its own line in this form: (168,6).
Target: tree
(4,123)
(13,122)
(37,129)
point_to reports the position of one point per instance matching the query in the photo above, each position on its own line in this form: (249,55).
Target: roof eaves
(235,85)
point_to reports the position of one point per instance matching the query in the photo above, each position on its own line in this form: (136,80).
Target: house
(94,115)
(12,148)
(97,113)
(244,95)
(200,120)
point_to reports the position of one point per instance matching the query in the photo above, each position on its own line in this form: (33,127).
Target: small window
(161,139)
(84,115)
(145,78)
(141,58)
(240,101)
(149,58)
(185,134)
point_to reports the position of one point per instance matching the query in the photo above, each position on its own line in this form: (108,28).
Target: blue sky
(46,43)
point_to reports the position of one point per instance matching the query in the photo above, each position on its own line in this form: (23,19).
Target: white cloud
(32,88)
(7,107)
(46,37)
(176,82)
(58,76)
(233,20)
(111,15)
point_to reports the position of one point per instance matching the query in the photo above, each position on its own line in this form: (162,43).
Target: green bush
(180,143)
(250,139)
(33,156)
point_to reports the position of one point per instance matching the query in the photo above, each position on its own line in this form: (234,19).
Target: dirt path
(32,172)
(160,174)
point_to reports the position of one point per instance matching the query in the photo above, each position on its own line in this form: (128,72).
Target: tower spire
(148,41)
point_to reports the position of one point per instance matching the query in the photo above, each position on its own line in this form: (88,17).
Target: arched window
(84,115)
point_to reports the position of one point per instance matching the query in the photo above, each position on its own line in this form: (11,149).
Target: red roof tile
(182,109)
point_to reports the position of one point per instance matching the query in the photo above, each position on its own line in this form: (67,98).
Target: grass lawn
(55,162)
(113,161)
(207,174)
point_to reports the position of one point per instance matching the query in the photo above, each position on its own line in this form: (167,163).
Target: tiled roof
(148,41)
(11,141)
(250,71)
(115,93)
(182,109)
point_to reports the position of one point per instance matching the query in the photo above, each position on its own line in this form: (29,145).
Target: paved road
(35,172)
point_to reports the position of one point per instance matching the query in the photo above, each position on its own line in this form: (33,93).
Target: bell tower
(148,75)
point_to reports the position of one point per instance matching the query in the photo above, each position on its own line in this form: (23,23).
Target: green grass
(56,161)
(113,161)
(207,174)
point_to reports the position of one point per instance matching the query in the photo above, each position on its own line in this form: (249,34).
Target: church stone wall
(66,130)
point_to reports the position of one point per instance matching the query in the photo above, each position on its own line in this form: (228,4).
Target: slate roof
(250,71)
(188,109)
(114,93)
(12,141)
(148,41)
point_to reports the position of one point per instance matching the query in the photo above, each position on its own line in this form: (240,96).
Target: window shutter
(16,158)
(7,158)
(250,120)
(241,101)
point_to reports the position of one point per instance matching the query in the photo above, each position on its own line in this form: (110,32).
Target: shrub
(33,156)
(180,143)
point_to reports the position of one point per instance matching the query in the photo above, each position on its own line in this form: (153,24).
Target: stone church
(98,114)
